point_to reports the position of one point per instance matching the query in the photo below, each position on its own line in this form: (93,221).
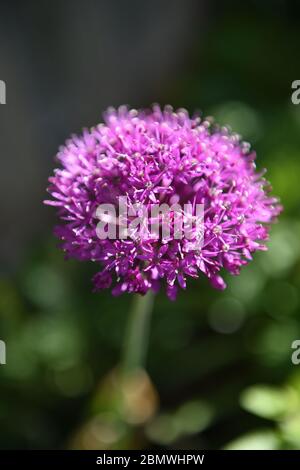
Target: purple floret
(158,156)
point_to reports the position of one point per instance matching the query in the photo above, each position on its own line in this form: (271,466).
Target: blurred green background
(219,363)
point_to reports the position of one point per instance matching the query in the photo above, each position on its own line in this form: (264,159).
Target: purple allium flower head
(159,156)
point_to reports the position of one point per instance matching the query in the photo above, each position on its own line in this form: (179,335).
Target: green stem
(136,336)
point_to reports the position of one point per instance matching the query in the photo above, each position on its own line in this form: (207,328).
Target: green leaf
(256,440)
(268,402)
(291,430)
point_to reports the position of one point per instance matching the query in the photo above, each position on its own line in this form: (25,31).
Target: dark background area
(220,363)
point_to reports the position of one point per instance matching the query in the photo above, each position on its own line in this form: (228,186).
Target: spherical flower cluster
(161,156)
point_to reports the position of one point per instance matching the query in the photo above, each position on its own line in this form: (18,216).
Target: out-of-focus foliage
(280,404)
(219,363)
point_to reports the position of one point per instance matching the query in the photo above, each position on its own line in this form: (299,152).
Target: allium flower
(158,156)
